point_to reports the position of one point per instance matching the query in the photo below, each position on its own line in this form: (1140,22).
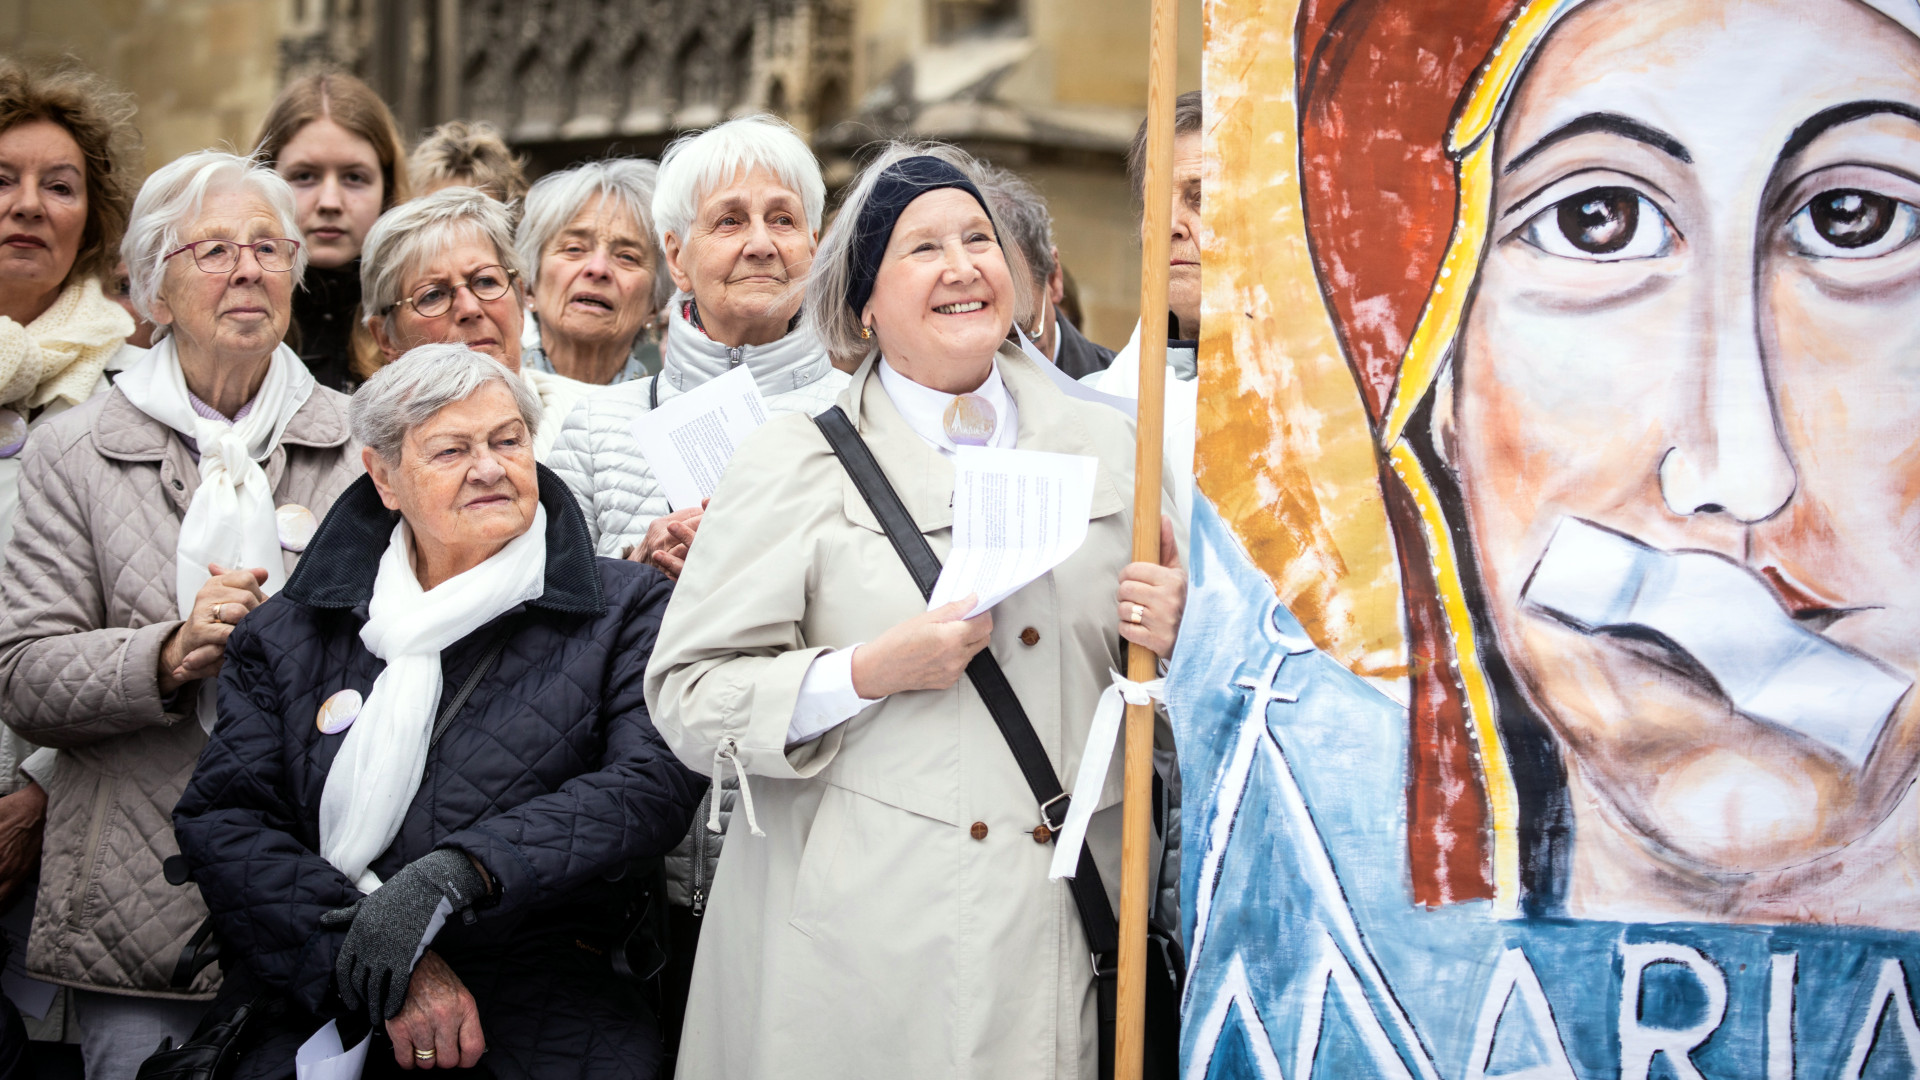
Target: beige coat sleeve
(66,679)
(726,673)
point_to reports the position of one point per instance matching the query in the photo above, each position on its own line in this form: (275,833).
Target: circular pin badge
(297,526)
(338,712)
(969,420)
(13,432)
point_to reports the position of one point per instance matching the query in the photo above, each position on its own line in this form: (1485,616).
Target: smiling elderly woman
(153,518)
(442,710)
(587,237)
(443,268)
(889,912)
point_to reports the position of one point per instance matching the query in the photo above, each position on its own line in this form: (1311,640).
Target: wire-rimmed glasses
(435,298)
(221,256)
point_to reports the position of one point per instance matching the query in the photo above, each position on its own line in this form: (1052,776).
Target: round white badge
(13,432)
(338,712)
(296,525)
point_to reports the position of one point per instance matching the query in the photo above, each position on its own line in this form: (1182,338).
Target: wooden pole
(1136,881)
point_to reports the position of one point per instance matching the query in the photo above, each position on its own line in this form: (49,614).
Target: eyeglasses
(435,298)
(221,256)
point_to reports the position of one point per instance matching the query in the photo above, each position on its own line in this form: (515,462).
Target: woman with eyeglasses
(152,519)
(443,268)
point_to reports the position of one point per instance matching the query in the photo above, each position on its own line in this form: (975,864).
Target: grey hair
(557,198)
(826,313)
(1189,116)
(170,202)
(415,231)
(696,164)
(1021,214)
(408,392)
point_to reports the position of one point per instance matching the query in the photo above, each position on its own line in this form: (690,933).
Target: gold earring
(866,333)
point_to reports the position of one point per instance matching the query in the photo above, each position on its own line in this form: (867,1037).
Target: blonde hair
(469,154)
(345,100)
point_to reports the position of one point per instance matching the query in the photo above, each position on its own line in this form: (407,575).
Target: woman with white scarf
(435,760)
(153,518)
(67,143)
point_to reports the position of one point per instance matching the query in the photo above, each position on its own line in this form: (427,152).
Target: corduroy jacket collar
(343,558)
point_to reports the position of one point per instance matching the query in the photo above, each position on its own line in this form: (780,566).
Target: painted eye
(1607,224)
(1849,223)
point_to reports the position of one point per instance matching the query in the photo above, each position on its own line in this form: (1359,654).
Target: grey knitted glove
(387,927)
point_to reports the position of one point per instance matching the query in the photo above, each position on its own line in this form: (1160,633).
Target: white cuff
(827,698)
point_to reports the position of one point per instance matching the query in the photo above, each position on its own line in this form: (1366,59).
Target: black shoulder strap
(488,658)
(1089,893)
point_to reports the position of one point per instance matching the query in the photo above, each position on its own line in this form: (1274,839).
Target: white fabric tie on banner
(1095,759)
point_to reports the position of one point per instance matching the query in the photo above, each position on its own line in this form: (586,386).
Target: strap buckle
(1046,810)
(1112,961)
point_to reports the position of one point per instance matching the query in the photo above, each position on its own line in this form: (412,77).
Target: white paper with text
(690,438)
(1016,515)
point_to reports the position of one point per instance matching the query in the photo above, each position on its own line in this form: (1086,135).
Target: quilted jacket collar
(343,558)
(123,432)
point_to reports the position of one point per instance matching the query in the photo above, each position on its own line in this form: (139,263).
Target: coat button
(979,830)
(1042,834)
(1029,636)
(179,484)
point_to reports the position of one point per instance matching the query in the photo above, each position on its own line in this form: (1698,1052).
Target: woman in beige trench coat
(883,909)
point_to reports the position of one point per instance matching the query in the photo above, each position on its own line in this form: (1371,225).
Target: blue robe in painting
(1308,959)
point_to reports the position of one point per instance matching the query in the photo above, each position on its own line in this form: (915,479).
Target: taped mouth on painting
(1723,618)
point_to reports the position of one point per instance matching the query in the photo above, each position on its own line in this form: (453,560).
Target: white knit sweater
(598,458)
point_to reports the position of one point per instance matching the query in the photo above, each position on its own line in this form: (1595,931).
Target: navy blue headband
(899,184)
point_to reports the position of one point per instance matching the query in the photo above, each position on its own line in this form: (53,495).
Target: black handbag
(1165,969)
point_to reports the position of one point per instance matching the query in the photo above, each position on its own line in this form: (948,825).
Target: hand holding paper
(1016,515)
(690,437)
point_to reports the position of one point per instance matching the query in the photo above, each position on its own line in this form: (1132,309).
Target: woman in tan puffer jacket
(152,519)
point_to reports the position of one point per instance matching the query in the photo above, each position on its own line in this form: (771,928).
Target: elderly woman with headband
(154,517)
(888,910)
(442,715)
(443,269)
(598,284)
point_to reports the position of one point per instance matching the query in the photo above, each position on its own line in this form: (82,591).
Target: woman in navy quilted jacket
(435,764)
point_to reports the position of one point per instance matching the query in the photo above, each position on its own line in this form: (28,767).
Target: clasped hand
(195,649)
(668,540)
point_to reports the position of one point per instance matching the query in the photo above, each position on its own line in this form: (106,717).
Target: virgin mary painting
(1628,292)
(1654,289)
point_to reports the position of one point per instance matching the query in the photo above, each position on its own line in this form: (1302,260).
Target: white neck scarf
(230,520)
(375,775)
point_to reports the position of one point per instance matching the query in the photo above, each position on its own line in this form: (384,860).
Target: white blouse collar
(924,408)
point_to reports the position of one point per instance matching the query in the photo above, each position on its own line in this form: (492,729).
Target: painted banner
(1545,702)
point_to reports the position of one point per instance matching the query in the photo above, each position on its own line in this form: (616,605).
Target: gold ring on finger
(423,1055)
(1138,615)
(219,613)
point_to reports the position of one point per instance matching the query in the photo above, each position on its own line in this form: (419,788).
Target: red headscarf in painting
(1382,83)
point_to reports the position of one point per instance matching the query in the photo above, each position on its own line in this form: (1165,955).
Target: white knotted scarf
(230,520)
(1095,759)
(375,775)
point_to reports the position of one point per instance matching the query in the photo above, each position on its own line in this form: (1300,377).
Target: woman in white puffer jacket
(738,208)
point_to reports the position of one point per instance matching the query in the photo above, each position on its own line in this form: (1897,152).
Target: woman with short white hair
(153,518)
(587,240)
(507,797)
(443,268)
(738,208)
